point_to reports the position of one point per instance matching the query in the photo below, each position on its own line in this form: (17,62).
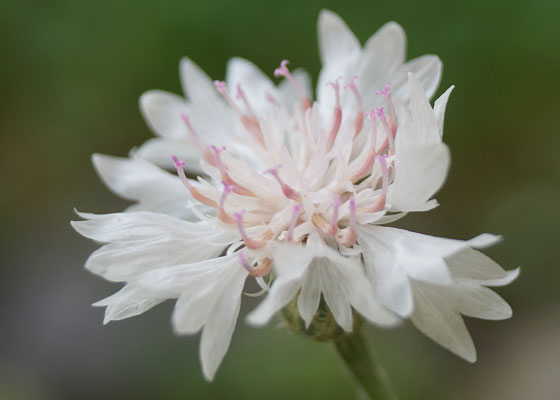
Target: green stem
(370,377)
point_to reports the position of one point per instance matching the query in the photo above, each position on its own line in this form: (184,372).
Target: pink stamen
(241,95)
(349,235)
(359,119)
(222,214)
(337,115)
(388,132)
(223,171)
(243,261)
(368,164)
(286,189)
(270,98)
(295,216)
(250,243)
(285,72)
(249,122)
(333,228)
(218,160)
(193,191)
(379,204)
(208,156)
(386,93)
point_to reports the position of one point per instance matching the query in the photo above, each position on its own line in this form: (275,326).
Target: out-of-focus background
(71,75)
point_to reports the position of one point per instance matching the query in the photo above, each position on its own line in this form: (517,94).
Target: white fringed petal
(143,241)
(151,187)
(318,270)
(434,317)
(336,40)
(162,111)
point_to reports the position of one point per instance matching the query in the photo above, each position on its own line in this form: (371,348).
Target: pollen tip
(228,188)
(240,92)
(352,204)
(178,163)
(184,117)
(282,70)
(351,84)
(380,112)
(273,170)
(220,87)
(239,216)
(384,92)
(335,83)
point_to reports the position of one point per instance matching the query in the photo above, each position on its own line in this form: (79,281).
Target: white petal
(174,279)
(127,302)
(160,150)
(387,275)
(288,92)
(122,261)
(212,118)
(478,301)
(434,317)
(388,45)
(252,80)
(427,70)
(281,293)
(138,180)
(336,293)
(383,54)
(509,277)
(198,87)
(439,108)
(162,111)
(336,40)
(423,117)
(310,295)
(362,298)
(129,227)
(472,264)
(218,329)
(392,256)
(420,170)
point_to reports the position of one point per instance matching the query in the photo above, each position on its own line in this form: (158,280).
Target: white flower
(294,193)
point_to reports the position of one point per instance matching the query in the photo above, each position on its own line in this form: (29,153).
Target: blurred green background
(72,72)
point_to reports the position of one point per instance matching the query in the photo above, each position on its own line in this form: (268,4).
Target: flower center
(323,172)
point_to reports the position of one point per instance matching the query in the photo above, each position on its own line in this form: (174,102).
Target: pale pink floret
(359,118)
(388,132)
(349,235)
(243,96)
(295,216)
(288,191)
(250,122)
(333,228)
(386,93)
(367,166)
(271,99)
(283,70)
(217,155)
(193,191)
(250,243)
(243,261)
(337,115)
(222,214)
(379,204)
